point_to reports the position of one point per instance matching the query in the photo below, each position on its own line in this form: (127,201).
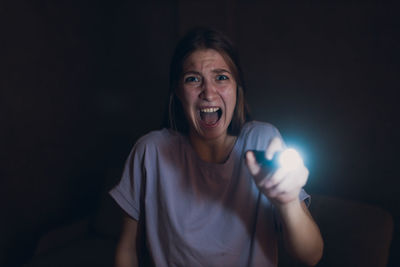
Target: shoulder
(257,135)
(259,129)
(155,140)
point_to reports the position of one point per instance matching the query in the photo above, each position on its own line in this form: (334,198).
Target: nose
(208,91)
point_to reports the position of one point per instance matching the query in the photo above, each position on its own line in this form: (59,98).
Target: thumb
(252,164)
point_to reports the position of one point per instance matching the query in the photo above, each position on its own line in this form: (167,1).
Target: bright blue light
(290,159)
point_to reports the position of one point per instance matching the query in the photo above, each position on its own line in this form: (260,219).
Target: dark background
(80,81)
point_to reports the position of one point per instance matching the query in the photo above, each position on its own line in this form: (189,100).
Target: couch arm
(355,234)
(63,235)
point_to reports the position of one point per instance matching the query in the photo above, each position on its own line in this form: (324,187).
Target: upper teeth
(209,109)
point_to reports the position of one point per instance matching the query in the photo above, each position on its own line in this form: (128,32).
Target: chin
(212,132)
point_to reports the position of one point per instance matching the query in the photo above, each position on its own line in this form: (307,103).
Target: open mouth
(210,116)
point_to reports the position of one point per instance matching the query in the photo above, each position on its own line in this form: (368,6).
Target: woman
(194,194)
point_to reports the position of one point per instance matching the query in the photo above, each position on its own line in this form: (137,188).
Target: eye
(222,77)
(191,79)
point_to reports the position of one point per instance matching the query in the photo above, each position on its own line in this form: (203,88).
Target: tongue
(209,117)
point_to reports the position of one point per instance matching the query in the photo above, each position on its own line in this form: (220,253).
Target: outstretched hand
(281,186)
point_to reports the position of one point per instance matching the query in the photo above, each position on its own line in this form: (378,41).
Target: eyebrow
(221,71)
(191,72)
(218,71)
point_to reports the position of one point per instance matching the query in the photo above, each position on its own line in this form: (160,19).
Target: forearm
(126,254)
(126,258)
(301,234)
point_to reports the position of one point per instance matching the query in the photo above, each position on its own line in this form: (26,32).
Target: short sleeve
(127,192)
(304,196)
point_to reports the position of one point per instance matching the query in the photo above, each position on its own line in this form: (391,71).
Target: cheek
(230,98)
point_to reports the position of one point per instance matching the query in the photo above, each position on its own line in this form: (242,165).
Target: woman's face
(208,94)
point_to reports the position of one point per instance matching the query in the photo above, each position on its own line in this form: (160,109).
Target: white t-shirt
(194,213)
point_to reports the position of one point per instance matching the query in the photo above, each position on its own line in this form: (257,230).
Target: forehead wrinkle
(204,60)
(191,69)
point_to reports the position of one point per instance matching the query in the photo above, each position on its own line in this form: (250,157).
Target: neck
(215,150)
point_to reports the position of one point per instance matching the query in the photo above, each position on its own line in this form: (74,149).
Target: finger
(303,176)
(252,164)
(292,181)
(276,178)
(288,184)
(274,146)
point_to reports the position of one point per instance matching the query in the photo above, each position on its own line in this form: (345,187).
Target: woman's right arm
(126,254)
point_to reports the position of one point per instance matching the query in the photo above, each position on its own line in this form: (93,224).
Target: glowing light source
(290,159)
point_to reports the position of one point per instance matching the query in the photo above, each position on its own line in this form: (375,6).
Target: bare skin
(208,85)
(301,234)
(126,252)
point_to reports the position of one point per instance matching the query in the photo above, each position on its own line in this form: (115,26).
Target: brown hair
(204,38)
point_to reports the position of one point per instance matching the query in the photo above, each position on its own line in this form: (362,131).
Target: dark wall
(48,129)
(81,81)
(328,74)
